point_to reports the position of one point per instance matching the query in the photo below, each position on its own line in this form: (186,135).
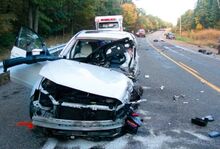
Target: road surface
(179,84)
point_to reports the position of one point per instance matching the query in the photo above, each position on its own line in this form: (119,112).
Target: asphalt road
(166,71)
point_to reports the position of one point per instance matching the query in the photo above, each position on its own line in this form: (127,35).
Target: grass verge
(207,37)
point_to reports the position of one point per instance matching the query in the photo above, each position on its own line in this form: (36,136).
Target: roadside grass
(207,37)
(184,39)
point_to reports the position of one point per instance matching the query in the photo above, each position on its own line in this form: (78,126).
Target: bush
(7,40)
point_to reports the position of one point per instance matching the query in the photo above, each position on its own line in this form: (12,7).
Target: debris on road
(185,102)
(205,51)
(202,51)
(199,121)
(201,91)
(208,118)
(176,97)
(146,87)
(208,53)
(147,76)
(147,118)
(162,87)
(133,122)
(155,40)
(29,125)
(214,134)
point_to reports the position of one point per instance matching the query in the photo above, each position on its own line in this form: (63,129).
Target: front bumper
(76,125)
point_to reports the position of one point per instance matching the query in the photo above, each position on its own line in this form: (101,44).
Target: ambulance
(109,22)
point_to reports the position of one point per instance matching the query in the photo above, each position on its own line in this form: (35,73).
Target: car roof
(107,34)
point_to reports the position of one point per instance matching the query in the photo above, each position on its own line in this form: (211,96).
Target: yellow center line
(188,69)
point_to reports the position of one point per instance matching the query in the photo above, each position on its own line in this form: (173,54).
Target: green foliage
(60,17)
(7,39)
(205,15)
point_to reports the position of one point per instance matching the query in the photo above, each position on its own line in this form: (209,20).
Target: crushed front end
(73,112)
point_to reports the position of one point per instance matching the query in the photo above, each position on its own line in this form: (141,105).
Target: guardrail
(55,50)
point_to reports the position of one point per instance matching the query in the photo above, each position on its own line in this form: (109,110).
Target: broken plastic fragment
(201,91)
(208,118)
(175,97)
(147,76)
(147,117)
(132,124)
(199,121)
(29,125)
(162,87)
(185,102)
(146,87)
(214,134)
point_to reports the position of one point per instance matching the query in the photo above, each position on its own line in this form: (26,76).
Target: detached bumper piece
(133,122)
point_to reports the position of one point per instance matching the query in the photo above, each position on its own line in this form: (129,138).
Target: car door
(28,55)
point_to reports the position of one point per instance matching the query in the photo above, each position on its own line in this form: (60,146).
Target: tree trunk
(30,15)
(36,18)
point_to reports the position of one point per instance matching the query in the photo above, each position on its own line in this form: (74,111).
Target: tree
(130,15)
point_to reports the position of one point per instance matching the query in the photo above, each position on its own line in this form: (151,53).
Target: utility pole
(218,4)
(180,26)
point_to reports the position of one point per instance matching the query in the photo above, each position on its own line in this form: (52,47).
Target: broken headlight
(45,100)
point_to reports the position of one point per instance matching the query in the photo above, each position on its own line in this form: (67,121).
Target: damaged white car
(71,97)
(88,100)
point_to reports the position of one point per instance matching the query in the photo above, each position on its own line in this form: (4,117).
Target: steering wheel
(116,56)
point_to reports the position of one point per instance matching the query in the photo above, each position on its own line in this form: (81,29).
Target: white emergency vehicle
(109,22)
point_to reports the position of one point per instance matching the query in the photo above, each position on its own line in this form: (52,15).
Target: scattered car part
(147,76)
(214,134)
(199,121)
(208,118)
(161,87)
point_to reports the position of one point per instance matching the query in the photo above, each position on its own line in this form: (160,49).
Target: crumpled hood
(87,78)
